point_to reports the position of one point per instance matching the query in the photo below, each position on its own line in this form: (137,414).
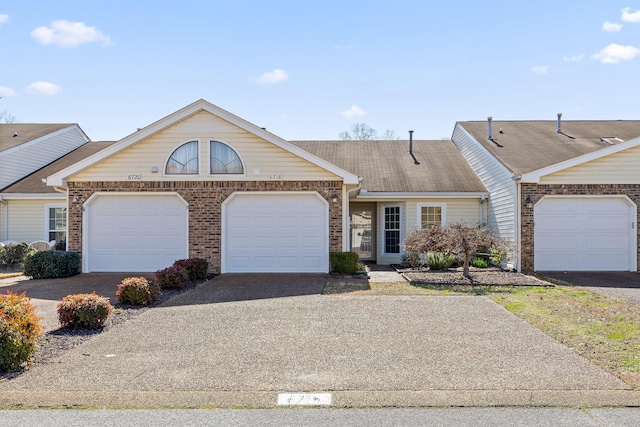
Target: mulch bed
(479,277)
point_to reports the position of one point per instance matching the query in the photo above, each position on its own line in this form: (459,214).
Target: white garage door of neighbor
(275,233)
(584,234)
(135,233)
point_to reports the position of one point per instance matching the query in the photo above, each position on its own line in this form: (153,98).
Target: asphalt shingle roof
(25,132)
(387,166)
(525,146)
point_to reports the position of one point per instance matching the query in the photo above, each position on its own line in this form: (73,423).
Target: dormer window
(224,160)
(184,160)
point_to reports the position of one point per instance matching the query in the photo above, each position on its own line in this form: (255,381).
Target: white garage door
(584,234)
(275,232)
(135,233)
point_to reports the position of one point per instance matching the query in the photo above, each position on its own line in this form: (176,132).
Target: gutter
(346,221)
(518,230)
(364,194)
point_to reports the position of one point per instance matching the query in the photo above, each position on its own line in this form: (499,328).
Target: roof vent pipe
(490,136)
(559,123)
(411,142)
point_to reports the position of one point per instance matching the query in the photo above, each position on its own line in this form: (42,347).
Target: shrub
(19,330)
(52,264)
(480,263)
(412,259)
(343,262)
(439,260)
(14,253)
(172,277)
(197,268)
(137,291)
(89,311)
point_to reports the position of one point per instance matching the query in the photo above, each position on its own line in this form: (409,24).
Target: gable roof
(32,184)
(26,132)
(527,146)
(387,166)
(191,109)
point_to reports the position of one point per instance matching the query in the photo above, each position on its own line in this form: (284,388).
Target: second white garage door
(275,232)
(584,234)
(134,232)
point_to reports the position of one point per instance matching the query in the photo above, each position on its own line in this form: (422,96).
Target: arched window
(224,160)
(184,160)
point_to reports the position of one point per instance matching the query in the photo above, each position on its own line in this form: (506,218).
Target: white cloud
(574,58)
(611,27)
(43,88)
(69,34)
(7,91)
(614,53)
(273,77)
(628,16)
(540,69)
(354,111)
(3,18)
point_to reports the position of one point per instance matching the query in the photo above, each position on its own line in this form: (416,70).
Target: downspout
(5,218)
(346,223)
(516,218)
(481,213)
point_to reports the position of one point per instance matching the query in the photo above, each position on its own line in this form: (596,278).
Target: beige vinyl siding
(617,168)
(456,210)
(27,219)
(2,221)
(262,160)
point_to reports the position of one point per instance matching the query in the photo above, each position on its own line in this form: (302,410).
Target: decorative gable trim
(60,177)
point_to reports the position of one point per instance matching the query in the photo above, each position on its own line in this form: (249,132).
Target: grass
(603,329)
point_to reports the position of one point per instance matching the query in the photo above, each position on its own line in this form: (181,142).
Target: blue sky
(309,70)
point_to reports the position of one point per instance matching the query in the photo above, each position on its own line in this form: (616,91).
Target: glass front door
(361,233)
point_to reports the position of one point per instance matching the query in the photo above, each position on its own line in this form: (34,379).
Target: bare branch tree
(7,118)
(389,135)
(359,132)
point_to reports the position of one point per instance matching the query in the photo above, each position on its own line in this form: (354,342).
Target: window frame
(443,212)
(232,148)
(47,221)
(385,229)
(176,148)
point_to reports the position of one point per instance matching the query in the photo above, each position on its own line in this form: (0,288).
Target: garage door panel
(136,233)
(279,233)
(590,234)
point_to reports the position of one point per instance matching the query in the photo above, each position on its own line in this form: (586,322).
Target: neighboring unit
(564,192)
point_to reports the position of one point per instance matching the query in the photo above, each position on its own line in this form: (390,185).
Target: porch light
(529,202)
(334,198)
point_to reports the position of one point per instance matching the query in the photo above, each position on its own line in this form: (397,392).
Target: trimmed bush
(412,259)
(137,291)
(19,330)
(52,264)
(172,277)
(88,311)
(344,262)
(15,253)
(438,260)
(479,263)
(197,268)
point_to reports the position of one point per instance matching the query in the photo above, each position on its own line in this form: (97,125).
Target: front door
(362,237)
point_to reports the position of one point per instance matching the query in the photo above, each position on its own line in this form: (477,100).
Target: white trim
(36,196)
(534,176)
(383,245)
(181,175)
(223,176)
(85,217)
(235,194)
(59,177)
(426,195)
(633,250)
(44,137)
(443,212)
(48,206)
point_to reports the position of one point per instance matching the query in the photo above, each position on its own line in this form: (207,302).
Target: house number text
(134,177)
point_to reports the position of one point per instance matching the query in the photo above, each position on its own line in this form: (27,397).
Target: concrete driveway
(620,284)
(242,340)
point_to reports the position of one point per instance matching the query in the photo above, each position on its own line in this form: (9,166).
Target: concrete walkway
(242,340)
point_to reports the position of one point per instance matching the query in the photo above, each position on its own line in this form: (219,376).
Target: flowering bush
(197,268)
(137,291)
(19,330)
(89,311)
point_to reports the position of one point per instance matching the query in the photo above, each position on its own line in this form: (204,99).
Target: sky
(309,70)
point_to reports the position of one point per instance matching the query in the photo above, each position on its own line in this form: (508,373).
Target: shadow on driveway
(599,279)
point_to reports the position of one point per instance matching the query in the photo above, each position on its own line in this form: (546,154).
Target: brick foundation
(205,208)
(538,191)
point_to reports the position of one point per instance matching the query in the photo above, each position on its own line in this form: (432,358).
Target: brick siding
(537,191)
(205,208)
